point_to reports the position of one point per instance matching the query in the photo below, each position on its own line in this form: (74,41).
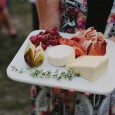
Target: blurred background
(14,96)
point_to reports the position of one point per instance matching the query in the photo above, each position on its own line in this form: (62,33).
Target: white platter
(104,85)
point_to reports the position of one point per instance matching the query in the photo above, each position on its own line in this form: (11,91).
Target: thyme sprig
(69,74)
(17,70)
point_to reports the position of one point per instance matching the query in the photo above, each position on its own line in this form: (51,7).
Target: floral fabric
(55,101)
(74,14)
(110,28)
(49,101)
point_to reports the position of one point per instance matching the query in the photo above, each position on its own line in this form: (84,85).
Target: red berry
(53,42)
(57,41)
(33,39)
(41,38)
(54,33)
(47,32)
(54,29)
(41,33)
(44,46)
(47,43)
(50,37)
(37,43)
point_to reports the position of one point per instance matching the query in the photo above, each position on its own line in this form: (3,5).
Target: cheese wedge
(90,67)
(60,55)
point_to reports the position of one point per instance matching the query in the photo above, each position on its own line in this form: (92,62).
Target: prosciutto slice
(90,42)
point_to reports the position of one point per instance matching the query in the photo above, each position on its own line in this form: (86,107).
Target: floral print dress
(55,101)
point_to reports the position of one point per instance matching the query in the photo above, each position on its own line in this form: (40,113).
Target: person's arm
(48,13)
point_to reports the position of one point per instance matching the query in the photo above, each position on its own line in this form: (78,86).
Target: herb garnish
(69,74)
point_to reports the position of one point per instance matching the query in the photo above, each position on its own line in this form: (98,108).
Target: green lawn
(14,96)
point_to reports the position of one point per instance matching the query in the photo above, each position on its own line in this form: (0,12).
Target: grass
(14,96)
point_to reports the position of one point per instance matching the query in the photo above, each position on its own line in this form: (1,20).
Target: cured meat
(90,42)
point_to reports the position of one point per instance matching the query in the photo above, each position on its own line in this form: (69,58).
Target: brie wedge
(90,67)
(60,55)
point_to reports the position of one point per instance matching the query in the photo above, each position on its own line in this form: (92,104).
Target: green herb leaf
(69,74)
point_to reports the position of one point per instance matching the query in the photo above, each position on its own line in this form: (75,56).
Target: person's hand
(112,38)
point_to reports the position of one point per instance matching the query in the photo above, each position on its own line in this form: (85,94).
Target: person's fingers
(86,94)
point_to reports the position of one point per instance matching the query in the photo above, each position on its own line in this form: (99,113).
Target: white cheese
(90,67)
(60,55)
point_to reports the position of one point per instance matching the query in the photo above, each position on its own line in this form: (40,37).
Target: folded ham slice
(88,42)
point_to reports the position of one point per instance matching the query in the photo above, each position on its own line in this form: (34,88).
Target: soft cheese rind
(60,55)
(90,67)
